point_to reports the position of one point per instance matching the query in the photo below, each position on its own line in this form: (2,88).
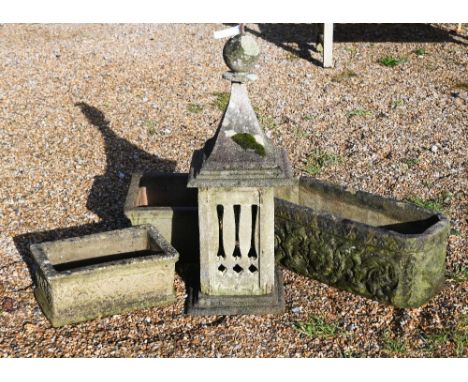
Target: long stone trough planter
(377,247)
(108,273)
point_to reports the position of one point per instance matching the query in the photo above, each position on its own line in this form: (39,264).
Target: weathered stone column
(235,174)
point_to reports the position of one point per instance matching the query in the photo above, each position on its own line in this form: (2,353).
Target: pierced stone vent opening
(238,238)
(237,211)
(252,252)
(253,268)
(237,268)
(222,268)
(220,213)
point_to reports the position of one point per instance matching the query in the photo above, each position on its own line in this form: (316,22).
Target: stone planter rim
(134,188)
(40,257)
(429,232)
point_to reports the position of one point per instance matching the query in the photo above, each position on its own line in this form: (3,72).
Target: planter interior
(91,252)
(361,207)
(164,201)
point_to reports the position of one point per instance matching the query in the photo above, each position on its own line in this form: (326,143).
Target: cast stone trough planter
(103,274)
(377,247)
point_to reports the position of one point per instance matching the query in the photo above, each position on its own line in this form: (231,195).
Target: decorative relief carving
(335,260)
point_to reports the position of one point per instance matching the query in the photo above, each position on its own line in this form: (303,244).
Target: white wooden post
(328,45)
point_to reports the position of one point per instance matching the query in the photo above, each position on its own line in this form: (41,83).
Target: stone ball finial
(241,53)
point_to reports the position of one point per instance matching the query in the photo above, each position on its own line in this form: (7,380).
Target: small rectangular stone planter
(378,247)
(108,273)
(164,201)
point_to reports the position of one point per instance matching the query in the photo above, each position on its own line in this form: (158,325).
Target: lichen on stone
(248,142)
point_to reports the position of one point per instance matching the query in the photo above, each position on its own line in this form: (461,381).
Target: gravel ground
(83,106)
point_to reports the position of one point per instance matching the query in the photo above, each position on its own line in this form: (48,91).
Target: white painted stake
(328,45)
(229,32)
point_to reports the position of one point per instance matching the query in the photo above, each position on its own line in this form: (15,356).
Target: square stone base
(199,304)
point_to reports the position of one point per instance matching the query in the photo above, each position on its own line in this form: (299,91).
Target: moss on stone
(247,141)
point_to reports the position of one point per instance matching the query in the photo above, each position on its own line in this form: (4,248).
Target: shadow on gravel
(300,39)
(109,190)
(107,196)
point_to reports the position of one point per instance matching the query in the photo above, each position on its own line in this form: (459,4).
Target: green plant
(398,102)
(431,204)
(309,117)
(318,159)
(359,113)
(391,61)
(420,52)
(344,75)
(352,52)
(434,340)
(292,56)
(460,276)
(300,133)
(460,336)
(411,162)
(247,141)
(316,327)
(394,345)
(194,108)
(267,122)
(221,101)
(352,354)
(455,232)
(150,127)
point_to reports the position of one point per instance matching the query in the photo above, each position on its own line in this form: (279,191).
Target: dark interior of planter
(369,209)
(74,253)
(166,190)
(101,260)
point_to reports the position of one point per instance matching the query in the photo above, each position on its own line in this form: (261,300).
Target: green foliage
(358,112)
(459,337)
(352,354)
(455,232)
(393,345)
(194,108)
(316,327)
(344,75)
(420,52)
(267,122)
(150,127)
(411,162)
(461,276)
(435,204)
(434,340)
(247,141)
(431,204)
(318,159)
(398,102)
(309,117)
(292,57)
(221,101)
(391,61)
(300,133)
